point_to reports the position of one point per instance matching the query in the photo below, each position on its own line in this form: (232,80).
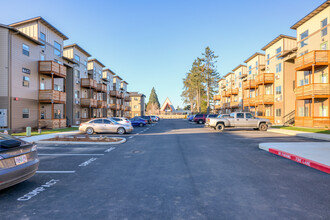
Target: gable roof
(42,20)
(238,67)
(169,104)
(253,56)
(278,38)
(78,48)
(22,34)
(96,61)
(311,14)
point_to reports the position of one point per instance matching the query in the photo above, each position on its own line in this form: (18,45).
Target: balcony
(217,107)
(226,105)
(118,107)
(234,104)
(246,102)
(265,78)
(127,99)
(267,99)
(88,83)
(101,87)
(127,108)
(50,67)
(316,90)
(113,106)
(101,104)
(234,91)
(52,96)
(316,57)
(52,123)
(119,95)
(252,101)
(249,84)
(86,102)
(217,97)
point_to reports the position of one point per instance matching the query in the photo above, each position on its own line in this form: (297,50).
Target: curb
(298,159)
(83,143)
(324,137)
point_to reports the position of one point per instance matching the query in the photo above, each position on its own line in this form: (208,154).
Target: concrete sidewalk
(312,154)
(318,136)
(36,138)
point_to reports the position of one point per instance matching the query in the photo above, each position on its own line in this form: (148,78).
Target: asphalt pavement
(171,170)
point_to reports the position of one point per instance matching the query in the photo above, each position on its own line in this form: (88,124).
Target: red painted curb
(307,162)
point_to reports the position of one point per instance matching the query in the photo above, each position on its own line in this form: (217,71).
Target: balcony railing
(316,122)
(266,99)
(265,78)
(52,96)
(249,84)
(226,105)
(127,99)
(88,83)
(316,57)
(51,67)
(234,104)
(101,104)
(270,118)
(118,106)
(127,108)
(217,107)
(101,87)
(113,106)
(86,102)
(52,123)
(217,97)
(312,90)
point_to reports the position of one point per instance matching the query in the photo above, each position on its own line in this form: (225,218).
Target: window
(256,65)
(106,121)
(77,58)
(278,51)
(248,115)
(240,115)
(77,114)
(57,49)
(26,81)
(240,84)
(278,90)
(303,36)
(43,40)
(42,57)
(232,115)
(85,62)
(97,121)
(250,67)
(324,46)
(76,94)
(77,74)
(278,67)
(325,30)
(135,106)
(26,50)
(26,113)
(267,59)
(278,112)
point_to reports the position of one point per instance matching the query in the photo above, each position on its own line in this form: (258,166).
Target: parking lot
(170,170)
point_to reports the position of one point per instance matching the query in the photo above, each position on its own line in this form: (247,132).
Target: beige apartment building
(45,84)
(137,104)
(312,85)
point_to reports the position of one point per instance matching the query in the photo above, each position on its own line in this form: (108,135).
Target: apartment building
(137,104)
(218,98)
(255,66)
(44,84)
(275,100)
(76,58)
(111,103)
(239,73)
(125,100)
(312,85)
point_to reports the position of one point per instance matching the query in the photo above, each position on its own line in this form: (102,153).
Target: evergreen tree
(153,98)
(210,74)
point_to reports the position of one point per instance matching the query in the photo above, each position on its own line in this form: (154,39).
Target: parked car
(138,122)
(200,118)
(155,118)
(207,122)
(18,160)
(121,120)
(240,120)
(148,118)
(139,118)
(105,125)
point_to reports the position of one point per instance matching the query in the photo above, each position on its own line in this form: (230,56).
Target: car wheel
(220,127)
(141,125)
(200,122)
(89,131)
(121,131)
(263,127)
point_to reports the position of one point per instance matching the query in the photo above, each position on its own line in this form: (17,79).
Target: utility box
(28,131)
(3,118)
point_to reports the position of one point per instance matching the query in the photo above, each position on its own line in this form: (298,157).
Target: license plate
(20,160)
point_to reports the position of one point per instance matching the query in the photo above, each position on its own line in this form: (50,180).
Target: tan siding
(4,48)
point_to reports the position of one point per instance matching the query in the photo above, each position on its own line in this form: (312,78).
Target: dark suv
(200,118)
(148,118)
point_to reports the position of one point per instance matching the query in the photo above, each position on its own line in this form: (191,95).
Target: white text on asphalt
(37,190)
(87,162)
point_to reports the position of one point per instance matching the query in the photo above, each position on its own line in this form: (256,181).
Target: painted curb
(310,163)
(83,143)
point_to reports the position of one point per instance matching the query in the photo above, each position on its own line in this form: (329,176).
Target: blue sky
(154,42)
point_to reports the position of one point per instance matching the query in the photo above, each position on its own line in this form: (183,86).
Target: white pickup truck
(239,120)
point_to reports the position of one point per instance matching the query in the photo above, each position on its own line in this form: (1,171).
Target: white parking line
(55,171)
(70,154)
(131,137)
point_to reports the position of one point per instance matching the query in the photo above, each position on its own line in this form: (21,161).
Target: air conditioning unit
(277,76)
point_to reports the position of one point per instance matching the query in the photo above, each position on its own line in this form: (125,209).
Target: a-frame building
(167,106)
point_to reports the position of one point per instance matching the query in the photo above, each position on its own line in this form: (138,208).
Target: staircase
(289,119)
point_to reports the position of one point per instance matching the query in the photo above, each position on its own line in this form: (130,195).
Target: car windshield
(5,137)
